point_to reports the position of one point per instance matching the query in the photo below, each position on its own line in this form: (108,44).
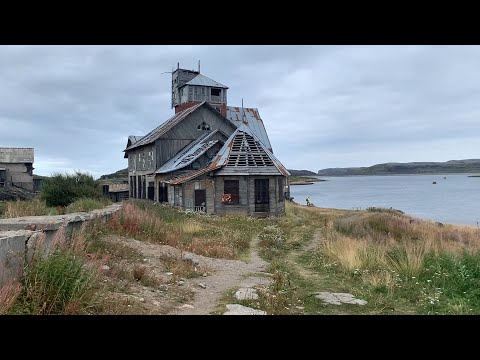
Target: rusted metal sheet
(252,118)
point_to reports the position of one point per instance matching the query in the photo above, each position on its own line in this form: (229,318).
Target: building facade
(16,167)
(208,157)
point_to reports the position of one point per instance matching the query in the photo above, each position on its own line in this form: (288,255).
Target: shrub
(64,189)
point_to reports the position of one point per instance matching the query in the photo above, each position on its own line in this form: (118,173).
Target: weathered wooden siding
(188,128)
(243,196)
(275,207)
(141,163)
(204,183)
(141,159)
(168,148)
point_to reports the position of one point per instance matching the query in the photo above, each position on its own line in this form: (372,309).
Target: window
(203,126)
(215,92)
(3,177)
(230,192)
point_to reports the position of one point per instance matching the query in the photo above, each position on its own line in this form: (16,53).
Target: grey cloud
(323,106)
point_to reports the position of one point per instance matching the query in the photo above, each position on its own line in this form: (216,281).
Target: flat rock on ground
(339,298)
(246,294)
(236,309)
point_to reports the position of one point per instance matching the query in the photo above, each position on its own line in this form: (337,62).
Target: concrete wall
(16,155)
(17,174)
(17,244)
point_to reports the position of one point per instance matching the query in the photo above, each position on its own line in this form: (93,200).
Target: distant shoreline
(304,180)
(468,174)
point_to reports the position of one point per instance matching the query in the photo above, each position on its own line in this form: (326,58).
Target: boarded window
(230,192)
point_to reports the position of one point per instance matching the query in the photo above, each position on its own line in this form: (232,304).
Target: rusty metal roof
(235,146)
(163,128)
(202,80)
(189,154)
(252,118)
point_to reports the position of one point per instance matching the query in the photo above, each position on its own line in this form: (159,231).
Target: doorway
(262,200)
(200,200)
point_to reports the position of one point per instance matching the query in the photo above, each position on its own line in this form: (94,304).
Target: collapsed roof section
(189,154)
(242,154)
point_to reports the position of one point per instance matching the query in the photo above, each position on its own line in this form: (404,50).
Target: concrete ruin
(20,237)
(16,168)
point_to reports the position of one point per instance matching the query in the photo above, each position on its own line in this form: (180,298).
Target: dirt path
(228,274)
(222,274)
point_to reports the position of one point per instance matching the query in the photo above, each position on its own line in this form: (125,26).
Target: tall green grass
(63,282)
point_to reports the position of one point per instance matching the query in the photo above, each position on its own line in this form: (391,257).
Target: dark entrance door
(151,191)
(162,194)
(200,200)
(261,195)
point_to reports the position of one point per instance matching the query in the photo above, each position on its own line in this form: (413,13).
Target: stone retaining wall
(19,235)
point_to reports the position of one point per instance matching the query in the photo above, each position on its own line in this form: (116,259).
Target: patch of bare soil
(189,291)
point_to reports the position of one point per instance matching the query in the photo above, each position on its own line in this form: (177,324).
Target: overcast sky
(322,106)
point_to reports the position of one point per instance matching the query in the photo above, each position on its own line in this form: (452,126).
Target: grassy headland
(397,263)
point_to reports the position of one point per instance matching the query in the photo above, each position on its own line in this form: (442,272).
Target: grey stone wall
(19,237)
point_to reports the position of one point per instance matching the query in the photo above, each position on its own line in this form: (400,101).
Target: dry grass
(8,295)
(21,208)
(182,267)
(139,272)
(209,236)
(191,228)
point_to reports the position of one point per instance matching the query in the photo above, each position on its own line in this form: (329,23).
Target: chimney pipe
(178,65)
(199,66)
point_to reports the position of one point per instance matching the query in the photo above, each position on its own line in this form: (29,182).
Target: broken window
(230,192)
(215,92)
(3,177)
(203,126)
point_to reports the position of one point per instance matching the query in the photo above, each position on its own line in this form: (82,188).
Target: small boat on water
(434,182)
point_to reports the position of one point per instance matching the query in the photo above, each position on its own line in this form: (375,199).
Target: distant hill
(120,174)
(124,174)
(301,172)
(452,166)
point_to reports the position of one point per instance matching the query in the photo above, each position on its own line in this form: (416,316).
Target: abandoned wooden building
(209,156)
(16,167)
(116,190)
